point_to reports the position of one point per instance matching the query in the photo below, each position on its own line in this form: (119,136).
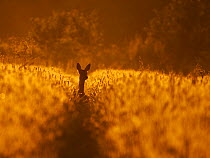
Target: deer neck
(81,86)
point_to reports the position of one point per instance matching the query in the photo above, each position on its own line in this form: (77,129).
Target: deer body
(81,87)
(82,78)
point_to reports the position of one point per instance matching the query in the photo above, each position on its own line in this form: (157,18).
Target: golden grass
(127,114)
(31,109)
(154,115)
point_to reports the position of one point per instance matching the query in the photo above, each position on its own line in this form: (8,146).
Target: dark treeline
(176,39)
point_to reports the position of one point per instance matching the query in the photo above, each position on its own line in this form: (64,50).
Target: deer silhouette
(83,76)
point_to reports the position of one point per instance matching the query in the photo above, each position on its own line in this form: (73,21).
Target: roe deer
(82,78)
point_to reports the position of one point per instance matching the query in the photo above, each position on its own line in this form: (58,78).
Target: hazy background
(168,35)
(120,18)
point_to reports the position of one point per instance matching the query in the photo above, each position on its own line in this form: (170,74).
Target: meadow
(126,114)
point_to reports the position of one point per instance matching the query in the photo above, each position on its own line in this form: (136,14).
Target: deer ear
(78,67)
(87,67)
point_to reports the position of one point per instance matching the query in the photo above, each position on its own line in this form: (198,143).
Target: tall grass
(126,114)
(31,110)
(150,114)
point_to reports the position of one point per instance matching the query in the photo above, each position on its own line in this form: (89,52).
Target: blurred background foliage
(177,38)
(67,35)
(180,35)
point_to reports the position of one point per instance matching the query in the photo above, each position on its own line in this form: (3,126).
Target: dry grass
(31,110)
(127,114)
(153,115)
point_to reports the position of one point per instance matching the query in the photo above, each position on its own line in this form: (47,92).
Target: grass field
(126,114)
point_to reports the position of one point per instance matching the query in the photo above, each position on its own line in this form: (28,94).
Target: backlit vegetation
(128,114)
(153,115)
